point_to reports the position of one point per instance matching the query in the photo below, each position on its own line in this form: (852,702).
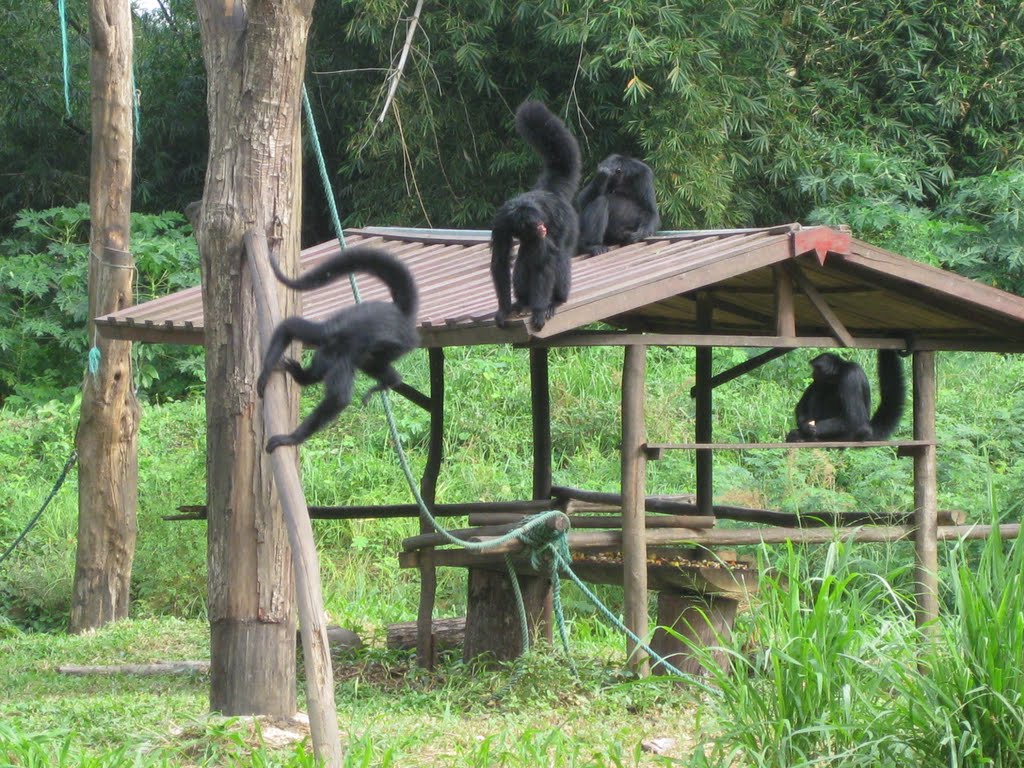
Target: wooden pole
(925,495)
(428,490)
(107,437)
(702,417)
(540,396)
(323,718)
(634,471)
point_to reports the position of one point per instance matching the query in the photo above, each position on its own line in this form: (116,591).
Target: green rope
(63,14)
(542,542)
(35,518)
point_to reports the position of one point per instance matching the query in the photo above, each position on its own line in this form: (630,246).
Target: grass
(826,662)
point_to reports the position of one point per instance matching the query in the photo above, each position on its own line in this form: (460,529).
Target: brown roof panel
(652,286)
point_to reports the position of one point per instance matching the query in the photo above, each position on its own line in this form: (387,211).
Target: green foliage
(44,303)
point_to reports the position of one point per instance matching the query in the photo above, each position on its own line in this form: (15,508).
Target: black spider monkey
(836,404)
(617,207)
(369,336)
(543,220)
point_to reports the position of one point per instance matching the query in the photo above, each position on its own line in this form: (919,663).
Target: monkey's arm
(597,187)
(808,409)
(501,254)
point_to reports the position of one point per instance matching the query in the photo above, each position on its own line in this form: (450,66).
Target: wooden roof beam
(811,292)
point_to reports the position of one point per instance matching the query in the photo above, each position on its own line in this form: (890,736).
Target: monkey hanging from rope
(368,337)
(617,207)
(542,219)
(836,404)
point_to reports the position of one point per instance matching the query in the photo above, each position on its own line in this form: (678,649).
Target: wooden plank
(742,368)
(820,304)
(960,290)
(478,533)
(718,537)
(577,521)
(585,338)
(925,495)
(642,288)
(655,450)
(662,503)
(634,540)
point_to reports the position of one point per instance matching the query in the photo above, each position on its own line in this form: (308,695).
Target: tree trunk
(108,470)
(255,57)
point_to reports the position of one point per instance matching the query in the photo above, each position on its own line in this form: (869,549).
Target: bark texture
(107,446)
(255,58)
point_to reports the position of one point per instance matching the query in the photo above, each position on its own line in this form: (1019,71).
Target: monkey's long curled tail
(558,148)
(394,274)
(893,392)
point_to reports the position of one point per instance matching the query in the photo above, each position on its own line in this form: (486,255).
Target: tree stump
(492,620)
(706,620)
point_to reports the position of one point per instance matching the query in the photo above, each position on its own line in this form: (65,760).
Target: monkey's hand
(261,383)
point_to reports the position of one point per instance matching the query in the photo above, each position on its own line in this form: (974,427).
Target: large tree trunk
(108,470)
(255,57)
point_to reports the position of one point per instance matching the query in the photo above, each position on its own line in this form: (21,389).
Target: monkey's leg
(312,374)
(288,330)
(337,396)
(593,223)
(542,289)
(387,378)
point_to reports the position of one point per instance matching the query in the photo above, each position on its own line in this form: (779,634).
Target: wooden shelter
(778,288)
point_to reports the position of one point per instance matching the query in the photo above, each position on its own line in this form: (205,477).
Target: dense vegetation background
(900,118)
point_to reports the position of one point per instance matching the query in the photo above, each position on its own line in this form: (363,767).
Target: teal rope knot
(544,544)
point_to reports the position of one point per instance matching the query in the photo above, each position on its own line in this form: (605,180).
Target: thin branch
(397,74)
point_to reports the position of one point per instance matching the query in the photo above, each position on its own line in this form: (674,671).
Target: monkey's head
(825,366)
(528,223)
(624,171)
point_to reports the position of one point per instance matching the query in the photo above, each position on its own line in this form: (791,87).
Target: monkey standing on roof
(542,219)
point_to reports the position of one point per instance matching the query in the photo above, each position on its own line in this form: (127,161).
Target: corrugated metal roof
(652,287)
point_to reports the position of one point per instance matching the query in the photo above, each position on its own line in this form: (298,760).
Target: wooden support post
(704,620)
(702,418)
(491,614)
(541,402)
(634,473)
(316,653)
(925,495)
(785,318)
(540,397)
(425,650)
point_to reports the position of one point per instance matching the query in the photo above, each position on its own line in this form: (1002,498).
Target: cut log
(704,621)
(446,633)
(156,668)
(491,628)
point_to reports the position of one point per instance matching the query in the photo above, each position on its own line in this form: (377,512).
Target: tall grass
(831,671)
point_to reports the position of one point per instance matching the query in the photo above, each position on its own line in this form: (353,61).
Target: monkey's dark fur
(543,220)
(617,207)
(369,336)
(836,404)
